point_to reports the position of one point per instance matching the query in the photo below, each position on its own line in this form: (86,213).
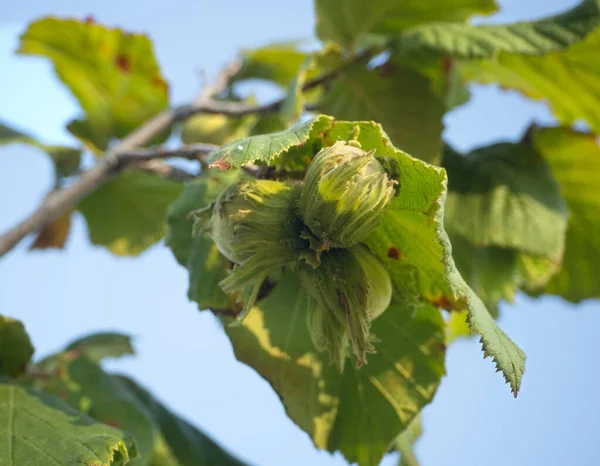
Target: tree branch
(124,153)
(237,109)
(64,200)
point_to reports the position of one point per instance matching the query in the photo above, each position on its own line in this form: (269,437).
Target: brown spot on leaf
(89,19)
(394,253)
(443,302)
(221,164)
(123,62)
(112,423)
(447,65)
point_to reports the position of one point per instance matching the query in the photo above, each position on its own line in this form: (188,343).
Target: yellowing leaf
(113,74)
(55,234)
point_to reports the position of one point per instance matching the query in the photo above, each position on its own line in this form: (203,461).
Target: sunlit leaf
(112,73)
(360,411)
(574,159)
(265,147)
(568,80)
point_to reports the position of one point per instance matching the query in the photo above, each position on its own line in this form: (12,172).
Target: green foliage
(350,22)
(574,159)
(568,80)
(528,38)
(418,132)
(506,218)
(40,429)
(126,215)
(206,266)
(463,236)
(188,446)
(99,346)
(360,411)
(277,62)
(16,349)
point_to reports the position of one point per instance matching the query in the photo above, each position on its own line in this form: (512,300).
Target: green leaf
(216,129)
(40,429)
(413,243)
(278,62)
(85,386)
(265,147)
(398,98)
(99,346)
(184,442)
(495,273)
(360,411)
(293,105)
(411,239)
(112,73)
(347,22)
(505,195)
(127,214)
(574,159)
(90,136)
(206,266)
(16,349)
(506,219)
(66,160)
(569,80)
(528,37)
(406,441)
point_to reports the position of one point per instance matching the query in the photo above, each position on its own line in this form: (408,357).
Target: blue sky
(184,356)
